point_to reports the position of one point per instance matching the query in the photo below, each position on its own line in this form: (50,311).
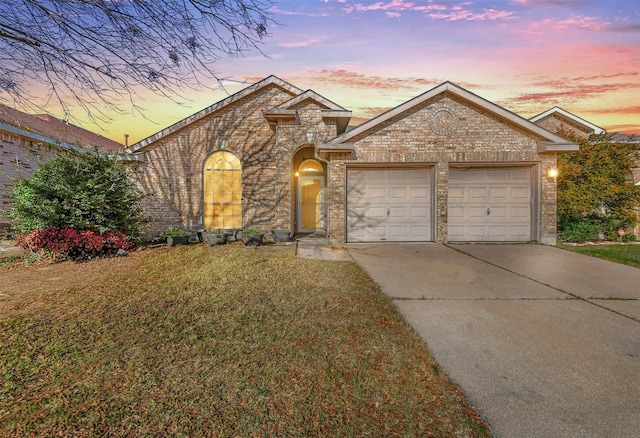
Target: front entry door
(310,203)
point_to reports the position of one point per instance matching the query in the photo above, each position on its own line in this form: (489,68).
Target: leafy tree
(79,190)
(595,188)
(91,52)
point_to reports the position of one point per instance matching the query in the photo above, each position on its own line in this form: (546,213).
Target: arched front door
(310,196)
(222,191)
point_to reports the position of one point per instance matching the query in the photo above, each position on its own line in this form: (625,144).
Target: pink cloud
(627,110)
(580,22)
(460,11)
(352,79)
(566,92)
(295,44)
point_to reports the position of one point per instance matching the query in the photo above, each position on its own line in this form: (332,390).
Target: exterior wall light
(552,173)
(310,136)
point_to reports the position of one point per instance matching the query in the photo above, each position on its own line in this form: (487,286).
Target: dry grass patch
(215,341)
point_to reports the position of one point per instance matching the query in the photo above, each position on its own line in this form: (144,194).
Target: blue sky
(369,56)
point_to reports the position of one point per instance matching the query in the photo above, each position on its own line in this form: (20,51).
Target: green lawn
(215,341)
(628,254)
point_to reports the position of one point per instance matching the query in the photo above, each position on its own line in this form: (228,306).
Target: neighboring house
(560,121)
(26,139)
(446,166)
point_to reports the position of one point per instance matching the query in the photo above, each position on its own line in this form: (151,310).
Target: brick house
(444,166)
(27,139)
(559,120)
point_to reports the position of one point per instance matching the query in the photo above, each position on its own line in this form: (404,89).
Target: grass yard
(628,254)
(215,341)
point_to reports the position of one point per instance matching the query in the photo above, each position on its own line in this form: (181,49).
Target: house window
(310,166)
(222,191)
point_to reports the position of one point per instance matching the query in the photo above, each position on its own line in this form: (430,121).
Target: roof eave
(340,148)
(549,146)
(463,94)
(213,108)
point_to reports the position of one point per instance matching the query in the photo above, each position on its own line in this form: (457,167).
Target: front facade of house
(446,166)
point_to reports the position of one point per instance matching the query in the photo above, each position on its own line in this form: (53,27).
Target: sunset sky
(369,56)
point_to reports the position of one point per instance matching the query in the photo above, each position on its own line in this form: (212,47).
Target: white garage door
(392,205)
(490,205)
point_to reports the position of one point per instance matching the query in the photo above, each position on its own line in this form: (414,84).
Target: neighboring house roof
(571,118)
(548,141)
(46,128)
(625,138)
(270,80)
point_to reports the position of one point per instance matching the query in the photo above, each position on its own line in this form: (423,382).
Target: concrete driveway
(544,342)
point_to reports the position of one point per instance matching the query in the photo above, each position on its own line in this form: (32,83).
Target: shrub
(68,243)
(578,229)
(79,190)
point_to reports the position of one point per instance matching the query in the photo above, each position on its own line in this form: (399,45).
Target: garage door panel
(376,193)
(521,193)
(476,212)
(498,193)
(521,212)
(419,192)
(420,212)
(398,193)
(395,213)
(477,193)
(389,205)
(490,204)
(498,213)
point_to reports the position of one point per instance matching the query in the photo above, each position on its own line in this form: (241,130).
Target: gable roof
(556,110)
(330,109)
(48,129)
(270,80)
(548,142)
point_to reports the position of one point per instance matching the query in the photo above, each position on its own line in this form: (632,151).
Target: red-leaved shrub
(69,243)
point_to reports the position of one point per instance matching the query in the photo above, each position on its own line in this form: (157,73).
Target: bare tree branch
(96,53)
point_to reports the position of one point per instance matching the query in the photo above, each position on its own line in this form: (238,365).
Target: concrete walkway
(317,247)
(544,342)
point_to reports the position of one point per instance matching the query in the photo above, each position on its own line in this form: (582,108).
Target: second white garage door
(490,205)
(392,205)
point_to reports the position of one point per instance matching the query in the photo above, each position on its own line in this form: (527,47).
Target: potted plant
(252,237)
(216,237)
(177,236)
(281,235)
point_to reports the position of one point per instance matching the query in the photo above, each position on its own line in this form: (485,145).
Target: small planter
(216,238)
(281,235)
(177,240)
(252,238)
(232,233)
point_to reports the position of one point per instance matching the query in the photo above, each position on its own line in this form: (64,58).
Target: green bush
(578,229)
(78,190)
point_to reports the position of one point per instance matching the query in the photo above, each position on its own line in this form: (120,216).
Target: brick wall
(557,124)
(171,176)
(19,158)
(473,136)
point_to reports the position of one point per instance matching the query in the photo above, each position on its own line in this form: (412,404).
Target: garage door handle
(488,211)
(388,211)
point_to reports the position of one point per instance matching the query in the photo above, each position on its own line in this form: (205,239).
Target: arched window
(310,166)
(222,191)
